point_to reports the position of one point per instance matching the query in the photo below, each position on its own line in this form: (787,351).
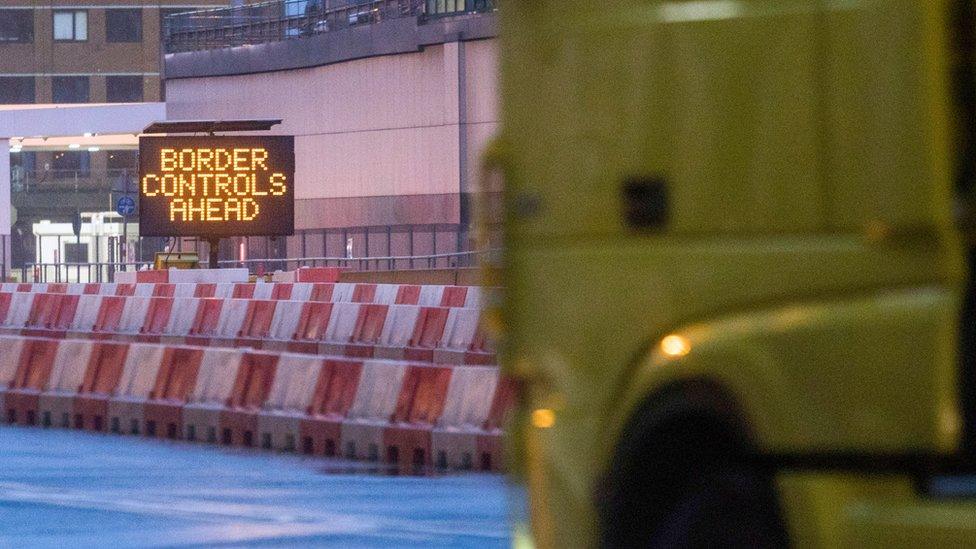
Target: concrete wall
(390,120)
(379,141)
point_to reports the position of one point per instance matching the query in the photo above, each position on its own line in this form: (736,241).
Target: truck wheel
(728,508)
(682,477)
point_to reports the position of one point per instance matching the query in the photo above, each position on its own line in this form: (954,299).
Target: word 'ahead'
(216,186)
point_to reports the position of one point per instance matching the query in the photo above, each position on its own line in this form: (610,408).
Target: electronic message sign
(217,186)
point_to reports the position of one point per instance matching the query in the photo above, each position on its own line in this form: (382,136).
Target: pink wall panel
(378,127)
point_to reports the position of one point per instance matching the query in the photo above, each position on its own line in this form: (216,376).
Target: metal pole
(57,269)
(214,251)
(124,241)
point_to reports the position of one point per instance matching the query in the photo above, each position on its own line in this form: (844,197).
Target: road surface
(69,488)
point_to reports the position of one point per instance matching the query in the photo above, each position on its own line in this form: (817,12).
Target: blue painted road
(68,488)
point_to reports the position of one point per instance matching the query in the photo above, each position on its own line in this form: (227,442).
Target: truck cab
(737,297)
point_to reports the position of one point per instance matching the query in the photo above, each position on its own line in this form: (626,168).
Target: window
(21,169)
(123,89)
(68,164)
(69,89)
(444,6)
(71,25)
(123,25)
(123,167)
(16,25)
(24,159)
(16,89)
(123,160)
(75,252)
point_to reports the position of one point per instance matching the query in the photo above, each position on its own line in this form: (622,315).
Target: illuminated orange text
(214,184)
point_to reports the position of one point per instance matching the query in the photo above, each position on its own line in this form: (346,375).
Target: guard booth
(64,256)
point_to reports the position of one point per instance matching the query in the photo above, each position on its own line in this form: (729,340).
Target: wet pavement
(69,488)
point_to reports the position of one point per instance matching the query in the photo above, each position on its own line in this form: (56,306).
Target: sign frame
(216,186)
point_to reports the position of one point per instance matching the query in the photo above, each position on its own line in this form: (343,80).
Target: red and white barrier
(10,351)
(413,415)
(368,330)
(466,409)
(217,374)
(56,402)
(102,376)
(459,333)
(336,292)
(397,333)
(239,418)
(182,315)
(333,398)
(126,407)
(288,401)
(421,401)
(31,377)
(374,404)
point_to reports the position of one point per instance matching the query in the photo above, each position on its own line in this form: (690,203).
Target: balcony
(285,19)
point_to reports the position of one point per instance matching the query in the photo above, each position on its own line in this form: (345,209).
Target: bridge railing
(283,19)
(105,271)
(389,263)
(102,271)
(34,181)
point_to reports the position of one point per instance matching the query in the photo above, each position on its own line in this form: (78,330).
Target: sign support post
(214,249)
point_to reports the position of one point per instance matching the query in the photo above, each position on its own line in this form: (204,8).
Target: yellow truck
(739,302)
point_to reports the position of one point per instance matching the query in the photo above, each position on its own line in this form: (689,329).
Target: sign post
(211,187)
(214,252)
(125,207)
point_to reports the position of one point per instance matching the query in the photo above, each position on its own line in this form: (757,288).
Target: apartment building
(55,57)
(77,52)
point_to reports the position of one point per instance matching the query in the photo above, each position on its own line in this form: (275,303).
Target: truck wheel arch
(686,423)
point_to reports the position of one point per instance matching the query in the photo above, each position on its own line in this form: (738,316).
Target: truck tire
(683,476)
(725,507)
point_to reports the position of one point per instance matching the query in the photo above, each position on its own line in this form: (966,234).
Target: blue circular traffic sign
(126,205)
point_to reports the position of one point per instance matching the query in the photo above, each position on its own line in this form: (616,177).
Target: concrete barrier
(409,415)
(451,335)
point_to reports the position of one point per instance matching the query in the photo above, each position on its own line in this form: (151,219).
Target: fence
(392,263)
(105,271)
(285,19)
(77,272)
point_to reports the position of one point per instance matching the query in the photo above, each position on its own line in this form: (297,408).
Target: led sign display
(217,186)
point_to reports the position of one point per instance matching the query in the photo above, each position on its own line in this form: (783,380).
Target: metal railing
(391,263)
(33,181)
(283,19)
(105,271)
(77,272)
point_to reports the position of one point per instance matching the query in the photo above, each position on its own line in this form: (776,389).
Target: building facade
(73,52)
(61,54)
(391,103)
(390,109)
